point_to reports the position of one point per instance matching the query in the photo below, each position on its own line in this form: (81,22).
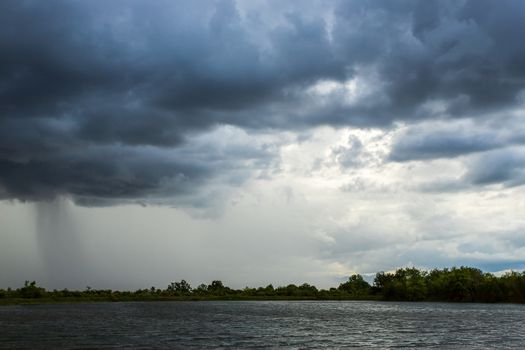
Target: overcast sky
(258,142)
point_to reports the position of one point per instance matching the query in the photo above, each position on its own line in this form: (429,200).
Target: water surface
(263,324)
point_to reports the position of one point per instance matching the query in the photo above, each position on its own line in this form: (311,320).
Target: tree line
(463,284)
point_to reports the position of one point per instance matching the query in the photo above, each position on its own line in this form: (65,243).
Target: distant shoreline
(463,284)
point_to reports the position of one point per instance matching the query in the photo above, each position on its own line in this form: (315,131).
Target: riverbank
(463,284)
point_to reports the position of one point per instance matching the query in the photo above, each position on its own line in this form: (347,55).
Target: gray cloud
(448,139)
(505,167)
(86,87)
(430,142)
(349,155)
(443,186)
(108,174)
(436,51)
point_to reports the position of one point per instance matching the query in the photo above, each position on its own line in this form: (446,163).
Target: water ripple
(269,324)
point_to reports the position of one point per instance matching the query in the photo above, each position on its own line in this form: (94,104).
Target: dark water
(272,324)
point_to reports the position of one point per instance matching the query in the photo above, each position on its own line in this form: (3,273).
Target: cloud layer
(105,102)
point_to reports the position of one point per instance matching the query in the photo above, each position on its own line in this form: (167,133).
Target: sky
(258,142)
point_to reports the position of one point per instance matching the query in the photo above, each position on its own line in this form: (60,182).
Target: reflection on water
(284,324)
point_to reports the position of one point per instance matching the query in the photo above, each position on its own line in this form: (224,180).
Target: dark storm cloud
(438,145)
(431,142)
(501,167)
(447,139)
(101,174)
(505,167)
(110,173)
(82,81)
(465,54)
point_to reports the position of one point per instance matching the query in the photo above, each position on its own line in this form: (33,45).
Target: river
(263,324)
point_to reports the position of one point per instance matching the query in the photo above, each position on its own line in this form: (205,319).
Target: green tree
(181,287)
(356,286)
(30,290)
